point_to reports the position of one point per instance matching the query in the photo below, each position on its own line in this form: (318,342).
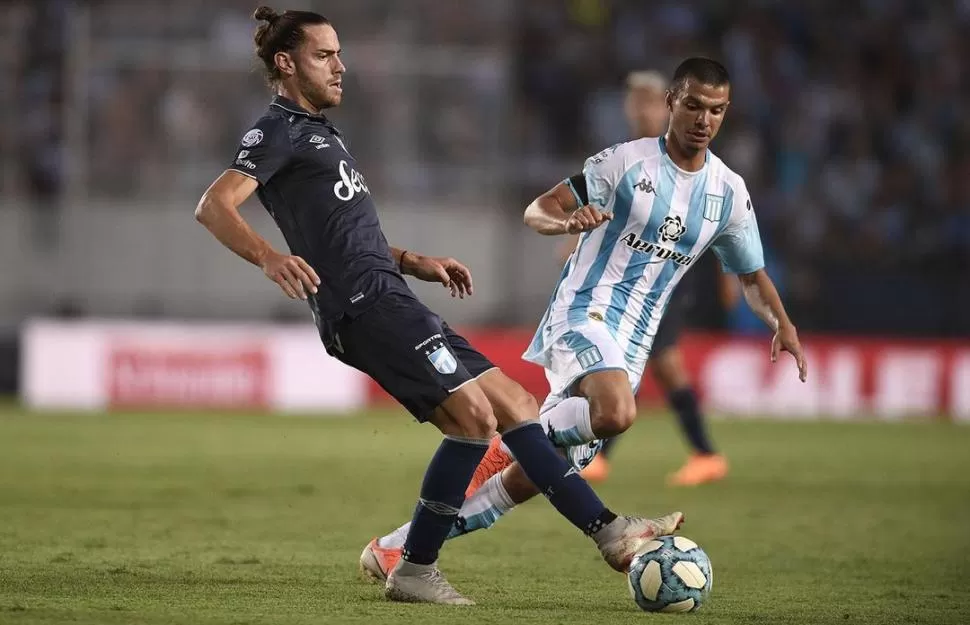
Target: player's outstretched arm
(449,272)
(218,211)
(557,211)
(762,297)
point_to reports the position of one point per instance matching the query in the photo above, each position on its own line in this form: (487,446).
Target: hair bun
(265,14)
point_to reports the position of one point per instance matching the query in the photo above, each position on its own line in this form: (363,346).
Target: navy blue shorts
(407,349)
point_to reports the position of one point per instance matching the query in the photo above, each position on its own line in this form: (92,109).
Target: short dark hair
(280,32)
(704,70)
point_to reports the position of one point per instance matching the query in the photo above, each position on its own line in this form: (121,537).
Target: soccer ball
(670,574)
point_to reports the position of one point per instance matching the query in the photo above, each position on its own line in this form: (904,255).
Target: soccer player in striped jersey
(645,108)
(646,210)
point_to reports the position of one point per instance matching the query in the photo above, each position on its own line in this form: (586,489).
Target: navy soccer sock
(442,493)
(555,478)
(685,404)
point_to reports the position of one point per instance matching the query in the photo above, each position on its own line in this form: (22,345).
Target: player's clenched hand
(294,275)
(786,340)
(448,271)
(586,218)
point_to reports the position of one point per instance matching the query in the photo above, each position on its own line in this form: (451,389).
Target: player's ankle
(605,528)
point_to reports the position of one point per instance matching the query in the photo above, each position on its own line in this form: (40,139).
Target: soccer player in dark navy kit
(299,165)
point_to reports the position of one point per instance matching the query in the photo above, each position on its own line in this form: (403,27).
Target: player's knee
(613,415)
(476,420)
(517,407)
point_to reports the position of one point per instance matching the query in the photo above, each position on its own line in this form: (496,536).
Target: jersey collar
(290,106)
(662,141)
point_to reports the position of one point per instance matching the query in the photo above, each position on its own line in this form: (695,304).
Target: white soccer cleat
(421,583)
(623,538)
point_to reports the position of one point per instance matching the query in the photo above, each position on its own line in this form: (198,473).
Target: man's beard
(316,95)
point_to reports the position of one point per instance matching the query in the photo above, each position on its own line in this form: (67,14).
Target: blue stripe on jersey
(537,346)
(695,213)
(578,309)
(663,203)
(694,222)
(577,341)
(620,297)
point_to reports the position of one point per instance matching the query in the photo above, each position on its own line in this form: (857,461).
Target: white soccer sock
(395,540)
(480,511)
(567,423)
(483,508)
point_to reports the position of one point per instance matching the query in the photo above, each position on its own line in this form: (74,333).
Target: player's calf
(463,417)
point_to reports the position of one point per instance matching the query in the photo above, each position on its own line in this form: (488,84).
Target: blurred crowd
(848,117)
(162,91)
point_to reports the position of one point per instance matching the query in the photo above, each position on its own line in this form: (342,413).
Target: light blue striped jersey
(623,273)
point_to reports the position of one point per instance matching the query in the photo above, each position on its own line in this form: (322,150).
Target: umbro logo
(321,142)
(645,185)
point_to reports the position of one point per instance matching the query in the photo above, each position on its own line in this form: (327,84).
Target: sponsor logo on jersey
(242,160)
(639,245)
(351,183)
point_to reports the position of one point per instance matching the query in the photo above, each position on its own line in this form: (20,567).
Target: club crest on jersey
(671,229)
(713,206)
(443,360)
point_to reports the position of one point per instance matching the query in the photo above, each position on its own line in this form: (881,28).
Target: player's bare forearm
(400,256)
(218,211)
(444,269)
(223,220)
(549,213)
(762,296)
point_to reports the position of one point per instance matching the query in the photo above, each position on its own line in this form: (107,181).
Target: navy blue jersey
(309,182)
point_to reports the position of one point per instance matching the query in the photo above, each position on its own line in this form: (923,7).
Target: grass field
(206,519)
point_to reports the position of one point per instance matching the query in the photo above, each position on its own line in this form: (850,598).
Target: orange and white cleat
(377,562)
(700,469)
(624,537)
(494,461)
(597,470)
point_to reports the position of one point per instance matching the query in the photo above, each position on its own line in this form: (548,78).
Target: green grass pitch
(243,519)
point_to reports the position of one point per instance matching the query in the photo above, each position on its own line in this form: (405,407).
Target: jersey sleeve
(263,150)
(738,246)
(602,172)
